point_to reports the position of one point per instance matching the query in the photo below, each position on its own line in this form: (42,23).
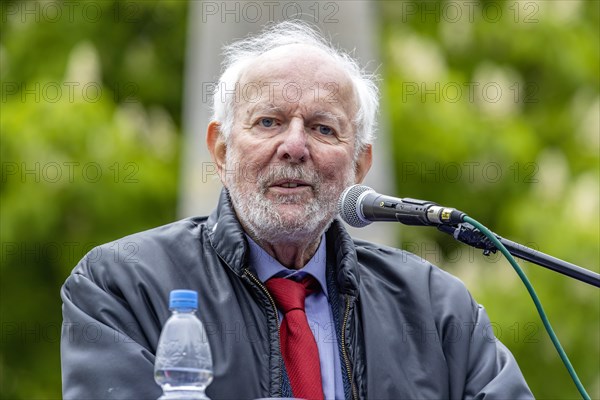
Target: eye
(325,130)
(266,122)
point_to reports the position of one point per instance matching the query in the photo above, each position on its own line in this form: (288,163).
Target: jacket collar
(341,245)
(227,237)
(226,234)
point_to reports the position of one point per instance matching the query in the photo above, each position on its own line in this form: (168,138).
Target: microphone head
(350,208)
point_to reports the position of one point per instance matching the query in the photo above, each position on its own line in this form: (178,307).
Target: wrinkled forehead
(297,74)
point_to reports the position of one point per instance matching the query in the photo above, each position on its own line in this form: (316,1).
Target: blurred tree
(91,105)
(495,111)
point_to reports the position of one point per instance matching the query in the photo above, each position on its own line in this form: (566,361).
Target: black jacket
(406,329)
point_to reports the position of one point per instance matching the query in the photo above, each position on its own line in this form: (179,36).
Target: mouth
(290,184)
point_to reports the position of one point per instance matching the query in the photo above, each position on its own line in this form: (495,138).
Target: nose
(294,145)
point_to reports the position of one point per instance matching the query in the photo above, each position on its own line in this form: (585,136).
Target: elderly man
(384,324)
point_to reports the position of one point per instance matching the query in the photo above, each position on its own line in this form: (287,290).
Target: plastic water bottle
(183,366)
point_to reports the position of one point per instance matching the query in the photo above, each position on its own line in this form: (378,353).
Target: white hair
(238,55)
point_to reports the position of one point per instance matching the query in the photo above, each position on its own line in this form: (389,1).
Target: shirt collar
(267,267)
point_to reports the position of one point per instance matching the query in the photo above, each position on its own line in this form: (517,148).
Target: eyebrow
(329,116)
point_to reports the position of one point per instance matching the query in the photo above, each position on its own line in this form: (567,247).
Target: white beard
(260,215)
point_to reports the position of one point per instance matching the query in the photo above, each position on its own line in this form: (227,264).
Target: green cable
(535,299)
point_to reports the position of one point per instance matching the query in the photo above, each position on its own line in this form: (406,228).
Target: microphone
(360,205)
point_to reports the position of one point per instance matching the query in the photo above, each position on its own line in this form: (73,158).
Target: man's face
(291,151)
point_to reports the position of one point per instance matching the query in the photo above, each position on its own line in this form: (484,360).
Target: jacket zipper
(264,289)
(344,351)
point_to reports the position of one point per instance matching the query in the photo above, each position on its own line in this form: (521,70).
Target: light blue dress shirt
(317,308)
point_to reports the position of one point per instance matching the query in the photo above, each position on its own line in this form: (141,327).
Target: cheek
(242,172)
(247,161)
(336,166)
(257,151)
(249,171)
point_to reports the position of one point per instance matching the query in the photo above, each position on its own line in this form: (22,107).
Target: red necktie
(298,345)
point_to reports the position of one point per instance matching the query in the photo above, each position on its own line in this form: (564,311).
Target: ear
(363,163)
(217,147)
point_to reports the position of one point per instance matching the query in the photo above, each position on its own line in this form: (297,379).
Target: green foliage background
(102,159)
(496,113)
(524,161)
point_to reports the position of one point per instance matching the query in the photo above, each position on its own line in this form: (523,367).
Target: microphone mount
(420,212)
(468,234)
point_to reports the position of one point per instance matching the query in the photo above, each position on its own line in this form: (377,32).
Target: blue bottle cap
(183,299)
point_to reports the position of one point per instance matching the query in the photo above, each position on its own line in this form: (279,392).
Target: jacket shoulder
(143,250)
(401,272)
(390,261)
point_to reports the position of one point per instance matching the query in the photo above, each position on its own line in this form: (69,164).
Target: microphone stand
(468,234)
